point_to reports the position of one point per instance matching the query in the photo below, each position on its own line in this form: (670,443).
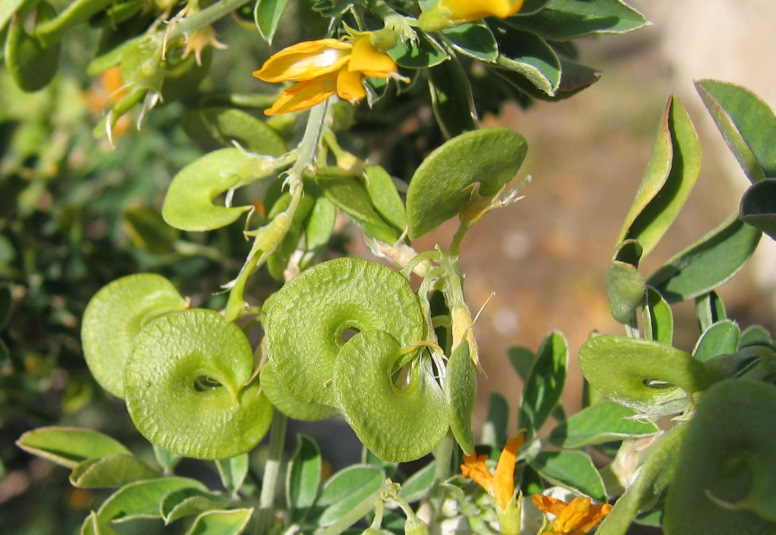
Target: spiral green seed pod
(187,386)
(114,317)
(396,424)
(305,321)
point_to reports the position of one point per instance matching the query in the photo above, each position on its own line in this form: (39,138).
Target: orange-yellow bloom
(448,13)
(501,484)
(471,10)
(575,518)
(323,68)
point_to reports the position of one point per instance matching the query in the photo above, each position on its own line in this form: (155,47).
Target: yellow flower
(323,68)
(501,484)
(449,13)
(575,518)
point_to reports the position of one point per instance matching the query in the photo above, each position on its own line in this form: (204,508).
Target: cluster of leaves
(196,386)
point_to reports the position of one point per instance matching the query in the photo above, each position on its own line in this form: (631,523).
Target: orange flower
(575,518)
(449,13)
(323,68)
(501,484)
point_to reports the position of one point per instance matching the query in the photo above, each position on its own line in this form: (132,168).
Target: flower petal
(349,85)
(504,478)
(470,10)
(366,59)
(303,95)
(305,61)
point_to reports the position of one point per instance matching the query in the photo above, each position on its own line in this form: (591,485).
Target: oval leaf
(758,206)
(670,176)
(31,61)
(112,471)
(707,264)
(571,469)
(542,391)
(303,477)
(68,446)
(231,522)
(603,422)
(442,185)
(142,498)
(747,124)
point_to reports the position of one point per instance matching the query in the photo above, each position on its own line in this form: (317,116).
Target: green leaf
(233,471)
(348,194)
(522,360)
(31,61)
(671,173)
(530,56)
(708,263)
(385,197)
(571,469)
(719,338)
(189,501)
(418,484)
(603,422)
(747,124)
(658,318)
(494,430)
(303,477)
(758,206)
(755,335)
(111,471)
(655,475)
(231,522)
(142,499)
(219,127)
(114,317)
(544,387)
(451,99)
(709,309)
(188,204)
(267,15)
(473,40)
(460,394)
(420,54)
(625,286)
(189,386)
(647,376)
(442,185)
(94,526)
(320,225)
(571,19)
(725,480)
(574,77)
(346,490)
(68,446)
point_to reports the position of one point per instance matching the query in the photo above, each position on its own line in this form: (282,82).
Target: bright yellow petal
(504,478)
(368,60)
(593,517)
(305,61)
(474,468)
(349,86)
(303,95)
(471,10)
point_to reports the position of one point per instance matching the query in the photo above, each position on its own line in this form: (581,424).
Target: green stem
(76,13)
(204,18)
(272,471)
